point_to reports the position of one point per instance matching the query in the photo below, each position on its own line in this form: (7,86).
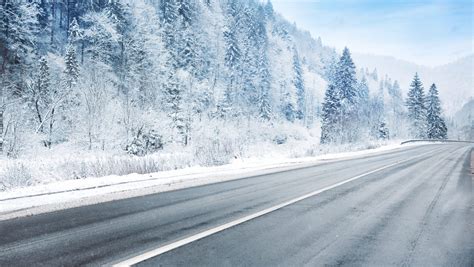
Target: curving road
(407,207)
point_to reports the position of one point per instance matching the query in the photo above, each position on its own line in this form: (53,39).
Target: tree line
(348,111)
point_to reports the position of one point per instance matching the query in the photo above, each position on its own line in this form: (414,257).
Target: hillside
(139,86)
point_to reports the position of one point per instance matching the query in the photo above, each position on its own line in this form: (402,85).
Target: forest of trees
(137,76)
(349,114)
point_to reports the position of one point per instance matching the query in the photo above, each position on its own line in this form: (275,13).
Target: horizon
(442,37)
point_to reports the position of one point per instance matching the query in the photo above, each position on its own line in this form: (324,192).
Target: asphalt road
(408,207)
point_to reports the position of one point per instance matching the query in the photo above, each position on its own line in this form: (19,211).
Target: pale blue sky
(426,32)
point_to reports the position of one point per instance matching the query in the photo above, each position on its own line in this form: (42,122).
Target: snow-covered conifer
(330,117)
(71,71)
(417,108)
(299,86)
(436,125)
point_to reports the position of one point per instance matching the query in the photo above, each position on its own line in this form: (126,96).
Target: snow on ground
(73,193)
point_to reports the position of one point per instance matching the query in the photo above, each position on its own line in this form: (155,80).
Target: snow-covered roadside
(73,193)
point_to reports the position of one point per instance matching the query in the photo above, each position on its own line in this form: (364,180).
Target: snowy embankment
(73,193)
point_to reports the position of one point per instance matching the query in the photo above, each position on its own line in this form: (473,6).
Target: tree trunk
(53,15)
(38,114)
(90,139)
(51,123)
(2,110)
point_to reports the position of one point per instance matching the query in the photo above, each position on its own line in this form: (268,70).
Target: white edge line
(195,237)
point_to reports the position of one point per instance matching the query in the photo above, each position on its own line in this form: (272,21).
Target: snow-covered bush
(145,143)
(15,175)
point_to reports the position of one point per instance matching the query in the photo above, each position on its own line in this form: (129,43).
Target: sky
(426,32)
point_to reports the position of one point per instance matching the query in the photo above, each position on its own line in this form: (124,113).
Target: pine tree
(75,32)
(383,131)
(186,10)
(377,115)
(436,125)
(363,92)
(265,109)
(41,91)
(330,117)
(232,51)
(231,61)
(395,94)
(345,83)
(224,108)
(117,13)
(363,104)
(174,100)
(44,80)
(169,17)
(269,11)
(288,108)
(416,108)
(299,86)
(71,71)
(345,80)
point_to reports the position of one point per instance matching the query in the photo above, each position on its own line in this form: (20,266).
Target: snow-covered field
(72,193)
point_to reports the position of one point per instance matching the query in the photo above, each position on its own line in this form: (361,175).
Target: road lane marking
(179,243)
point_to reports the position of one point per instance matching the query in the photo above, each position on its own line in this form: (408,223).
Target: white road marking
(195,237)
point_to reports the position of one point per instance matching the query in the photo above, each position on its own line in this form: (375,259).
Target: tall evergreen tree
(174,99)
(75,32)
(345,80)
(169,17)
(396,96)
(288,108)
(232,51)
(364,107)
(379,128)
(269,11)
(330,117)
(265,109)
(436,125)
(416,108)
(41,91)
(299,86)
(345,83)
(186,9)
(71,71)
(231,61)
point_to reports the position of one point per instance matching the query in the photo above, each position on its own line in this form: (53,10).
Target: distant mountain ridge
(454,80)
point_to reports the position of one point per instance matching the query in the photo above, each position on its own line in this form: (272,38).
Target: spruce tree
(364,108)
(174,99)
(265,109)
(416,108)
(288,108)
(395,95)
(75,32)
(41,91)
(117,13)
(330,117)
(71,71)
(345,80)
(269,11)
(345,83)
(44,80)
(186,10)
(436,125)
(299,86)
(232,51)
(169,16)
